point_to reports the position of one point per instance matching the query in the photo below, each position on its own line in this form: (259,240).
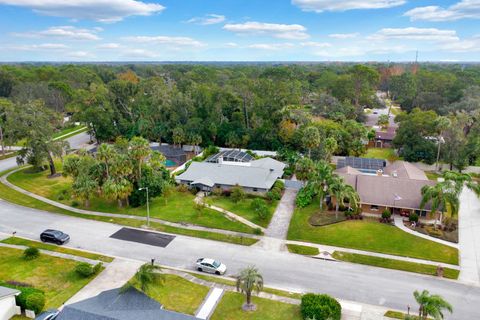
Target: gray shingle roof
(260,173)
(6,292)
(110,305)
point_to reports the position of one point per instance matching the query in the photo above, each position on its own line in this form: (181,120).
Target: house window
(374,208)
(255,189)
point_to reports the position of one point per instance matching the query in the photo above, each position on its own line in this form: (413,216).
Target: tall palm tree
(249,280)
(441,195)
(311,139)
(461,180)
(341,192)
(431,305)
(105,154)
(84,187)
(139,150)
(146,276)
(320,179)
(304,168)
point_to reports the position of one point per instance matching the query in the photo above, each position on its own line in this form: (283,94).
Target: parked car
(48,315)
(211,266)
(54,236)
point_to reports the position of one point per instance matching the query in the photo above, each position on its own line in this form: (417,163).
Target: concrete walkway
(115,275)
(399,223)
(209,304)
(469,237)
(4,180)
(230,215)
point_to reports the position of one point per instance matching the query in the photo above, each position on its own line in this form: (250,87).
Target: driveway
(353,282)
(469,237)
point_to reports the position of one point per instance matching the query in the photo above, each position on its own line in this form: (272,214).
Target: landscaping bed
(429,230)
(325,218)
(394,264)
(55,276)
(368,235)
(175,207)
(230,308)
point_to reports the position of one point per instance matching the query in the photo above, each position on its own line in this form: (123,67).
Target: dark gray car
(48,315)
(54,236)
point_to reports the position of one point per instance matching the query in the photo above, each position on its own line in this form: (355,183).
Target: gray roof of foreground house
(400,191)
(111,305)
(7,292)
(260,174)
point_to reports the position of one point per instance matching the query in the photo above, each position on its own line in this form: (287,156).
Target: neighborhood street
(280,269)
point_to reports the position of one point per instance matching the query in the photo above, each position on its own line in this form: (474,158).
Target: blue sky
(239,30)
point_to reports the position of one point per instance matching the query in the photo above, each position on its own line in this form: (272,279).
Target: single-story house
(8,306)
(113,305)
(384,139)
(397,187)
(257,176)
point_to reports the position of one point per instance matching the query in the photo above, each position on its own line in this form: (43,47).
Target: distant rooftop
(230,155)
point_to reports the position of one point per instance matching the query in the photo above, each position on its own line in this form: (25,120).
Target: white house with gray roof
(8,307)
(257,176)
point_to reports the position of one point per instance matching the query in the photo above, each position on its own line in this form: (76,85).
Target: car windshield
(57,233)
(216,264)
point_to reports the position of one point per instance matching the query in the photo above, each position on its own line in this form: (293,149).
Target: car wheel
(217,273)
(43,240)
(59,243)
(199,269)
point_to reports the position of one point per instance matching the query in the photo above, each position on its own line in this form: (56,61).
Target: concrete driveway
(469,237)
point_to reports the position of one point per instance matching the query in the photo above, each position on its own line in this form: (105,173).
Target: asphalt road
(283,270)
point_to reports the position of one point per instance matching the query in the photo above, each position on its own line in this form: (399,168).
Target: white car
(211,266)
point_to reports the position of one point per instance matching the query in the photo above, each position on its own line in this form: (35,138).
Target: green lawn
(381,153)
(51,247)
(176,207)
(53,275)
(230,308)
(178,294)
(432,175)
(18,198)
(394,264)
(69,132)
(368,235)
(243,208)
(304,250)
(8,155)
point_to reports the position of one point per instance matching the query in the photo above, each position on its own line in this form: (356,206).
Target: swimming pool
(170,163)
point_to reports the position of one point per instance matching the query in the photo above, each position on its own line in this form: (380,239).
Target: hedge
(320,307)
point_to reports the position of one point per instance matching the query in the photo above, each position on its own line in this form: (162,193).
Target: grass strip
(19,198)
(50,247)
(400,315)
(394,264)
(304,250)
(9,155)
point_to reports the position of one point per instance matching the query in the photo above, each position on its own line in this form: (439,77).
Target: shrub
(257,231)
(217,191)
(226,193)
(320,307)
(279,184)
(386,214)
(75,203)
(97,268)
(182,188)
(274,194)
(35,302)
(304,197)
(84,269)
(413,217)
(31,253)
(260,208)
(237,194)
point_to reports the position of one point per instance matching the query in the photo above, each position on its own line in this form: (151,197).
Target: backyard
(55,276)
(368,235)
(175,207)
(243,208)
(381,153)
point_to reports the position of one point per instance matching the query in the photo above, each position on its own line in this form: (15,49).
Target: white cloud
(208,19)
(65,32)
(284,31)
(231,44)
(43,46)
(139,53)
(465,9)
(467,45)
(110,45)
(344,35)
(80,54)
(272,46)
(98,10)
(418,34)
(166,40)
(316,44)
(344,5)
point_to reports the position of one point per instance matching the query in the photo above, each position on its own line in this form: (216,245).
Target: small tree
(431,305)
(260,208)
(320,307)
(31,253)
(146,276)
(383,120)
(237,194)
(249,280)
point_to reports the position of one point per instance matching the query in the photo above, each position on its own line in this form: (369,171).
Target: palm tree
(118,190)
(442,124)
(106,153)
(320,179)
(431,305)
(83,187)
(249,280)
(342,191)
(461,180)
(441,195)
(146,276)
(304,168)
(139,150)
(311,139)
